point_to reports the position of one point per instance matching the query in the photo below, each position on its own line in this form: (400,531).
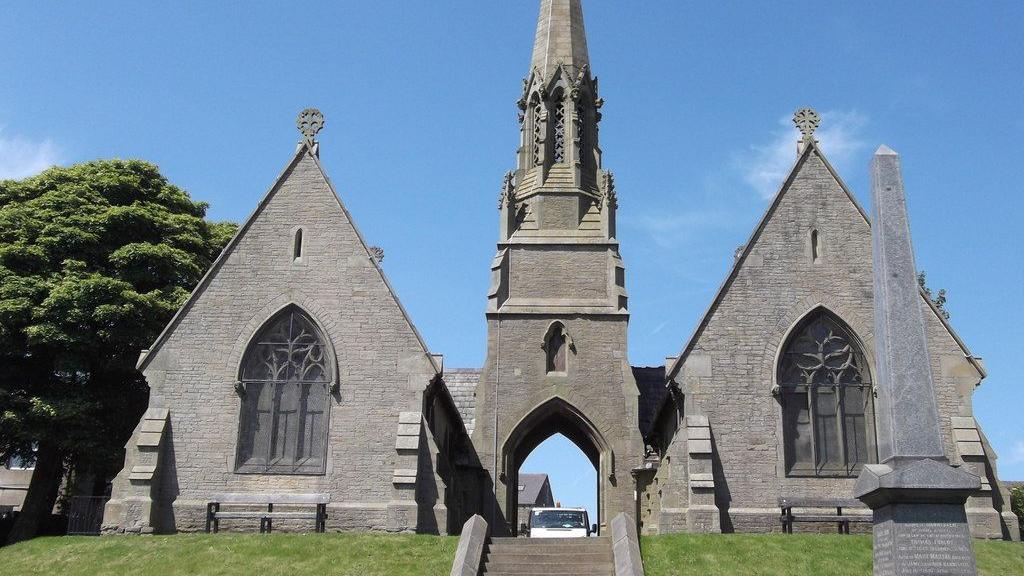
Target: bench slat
(272,515)
(242,498)
(788,502)
(827,518)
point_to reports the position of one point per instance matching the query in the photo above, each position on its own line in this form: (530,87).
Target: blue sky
(421,125)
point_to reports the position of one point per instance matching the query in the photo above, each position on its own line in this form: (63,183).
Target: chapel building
(294,369)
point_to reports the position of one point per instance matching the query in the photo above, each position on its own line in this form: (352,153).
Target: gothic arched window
(556,342)
(285,377)
(827,403)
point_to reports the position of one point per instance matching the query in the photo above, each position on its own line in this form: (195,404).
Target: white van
(560,523)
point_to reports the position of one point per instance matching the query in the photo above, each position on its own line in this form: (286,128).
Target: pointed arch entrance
(554,416)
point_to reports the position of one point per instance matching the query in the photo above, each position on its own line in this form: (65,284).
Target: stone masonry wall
(598,382)
(547,273)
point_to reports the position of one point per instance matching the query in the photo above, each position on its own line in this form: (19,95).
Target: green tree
(1017,503)
(938,299)
(95,258)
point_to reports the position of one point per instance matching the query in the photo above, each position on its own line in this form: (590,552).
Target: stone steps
(549,557)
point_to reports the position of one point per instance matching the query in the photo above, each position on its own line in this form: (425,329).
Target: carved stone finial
(378,253)
(310,122)
(508,191)
(608,189)
(807,121)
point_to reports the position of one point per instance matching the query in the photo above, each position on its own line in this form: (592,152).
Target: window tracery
(827,403)
(285,376)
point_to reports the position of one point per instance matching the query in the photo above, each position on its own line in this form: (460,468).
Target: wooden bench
(787,518)
(214,514)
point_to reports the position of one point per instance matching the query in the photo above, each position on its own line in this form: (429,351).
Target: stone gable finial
(807,121)
(310,122)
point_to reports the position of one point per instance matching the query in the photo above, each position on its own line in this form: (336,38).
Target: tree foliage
(939,299)
(1017,503)
(94,260)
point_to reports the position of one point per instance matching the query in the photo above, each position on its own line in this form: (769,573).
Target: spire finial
(807,121)
(310,122)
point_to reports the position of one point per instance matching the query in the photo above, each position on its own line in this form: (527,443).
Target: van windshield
(558,519)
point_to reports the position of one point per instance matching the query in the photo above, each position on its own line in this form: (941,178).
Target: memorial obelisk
(917,497)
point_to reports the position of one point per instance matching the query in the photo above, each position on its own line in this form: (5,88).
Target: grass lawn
(406,555)
(233,555)
(811,554)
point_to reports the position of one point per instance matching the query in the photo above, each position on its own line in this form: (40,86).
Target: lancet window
(538,131)
(581,131)
(560,131)
(556,343)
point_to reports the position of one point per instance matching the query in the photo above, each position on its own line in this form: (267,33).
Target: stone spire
(559,198)
(561,37)
(558,164)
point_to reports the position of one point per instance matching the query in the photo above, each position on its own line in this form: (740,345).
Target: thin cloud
(1016,455)
(659,328)
(20,157)
(671,229)
(765,166)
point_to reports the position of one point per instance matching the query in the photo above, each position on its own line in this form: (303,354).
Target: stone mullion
(841,425)
(812,413)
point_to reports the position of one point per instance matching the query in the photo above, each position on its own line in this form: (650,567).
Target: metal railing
(85,515)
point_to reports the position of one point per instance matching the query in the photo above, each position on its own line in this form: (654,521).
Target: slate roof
(461,383)
(650,381)
(532,485)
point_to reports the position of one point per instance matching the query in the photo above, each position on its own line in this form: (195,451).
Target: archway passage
(556,416)
(571,477)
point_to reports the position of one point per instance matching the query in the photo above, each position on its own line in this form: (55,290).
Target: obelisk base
(920,526)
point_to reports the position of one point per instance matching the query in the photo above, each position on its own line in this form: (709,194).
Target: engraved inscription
(909,546)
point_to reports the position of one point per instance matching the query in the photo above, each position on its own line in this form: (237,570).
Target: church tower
(557,306)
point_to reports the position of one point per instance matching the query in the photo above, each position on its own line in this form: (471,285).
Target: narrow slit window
(815,252)
(560,133)
(297,248)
